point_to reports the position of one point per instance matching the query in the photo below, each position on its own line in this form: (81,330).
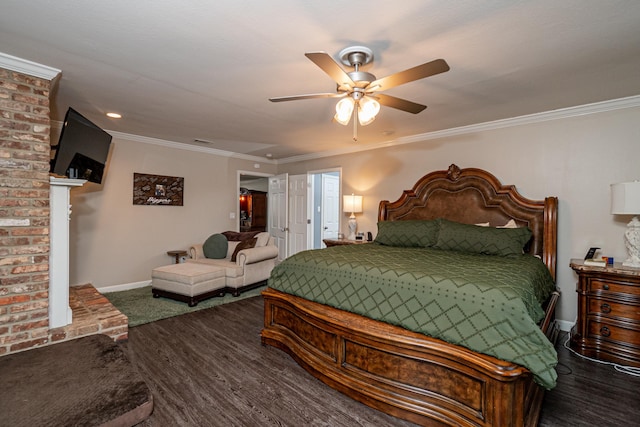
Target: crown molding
(20,65)
(188,147)
(563,113)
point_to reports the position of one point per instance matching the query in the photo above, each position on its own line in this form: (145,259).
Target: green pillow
(215,246)
(454,236)
(409,233)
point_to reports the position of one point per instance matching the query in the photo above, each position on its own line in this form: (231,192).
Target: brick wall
(24,211)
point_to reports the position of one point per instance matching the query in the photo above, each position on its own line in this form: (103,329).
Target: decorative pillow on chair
(263,239)
(482,240)
(244,244)
(215,246)
(409,233)
(237,236)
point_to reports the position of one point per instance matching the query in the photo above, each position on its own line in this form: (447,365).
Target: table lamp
(625,200)
(353,204)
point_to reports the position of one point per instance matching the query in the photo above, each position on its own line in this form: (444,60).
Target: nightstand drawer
(610,308)
(610,286)
(614,332)
(608,322)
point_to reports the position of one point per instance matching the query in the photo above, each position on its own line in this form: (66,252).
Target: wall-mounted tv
(82,149)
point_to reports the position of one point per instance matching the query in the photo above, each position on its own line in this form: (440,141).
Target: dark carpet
(88,381)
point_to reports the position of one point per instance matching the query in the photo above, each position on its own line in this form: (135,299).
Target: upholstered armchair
(245,267)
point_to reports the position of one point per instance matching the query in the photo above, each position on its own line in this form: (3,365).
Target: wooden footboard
(408,375)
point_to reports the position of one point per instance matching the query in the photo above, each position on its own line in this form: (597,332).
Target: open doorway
(324,206)
(252,202)
(321,206)
(310,212)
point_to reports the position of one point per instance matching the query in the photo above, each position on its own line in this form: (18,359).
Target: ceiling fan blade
(416,73)
(308,96)
(331,67)
(399,103)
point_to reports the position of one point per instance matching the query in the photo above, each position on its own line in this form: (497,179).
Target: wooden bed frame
(410,375)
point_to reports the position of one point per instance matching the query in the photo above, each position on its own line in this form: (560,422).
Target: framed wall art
(157,190)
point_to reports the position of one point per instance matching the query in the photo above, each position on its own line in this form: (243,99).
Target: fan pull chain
(355,121)
(356,65)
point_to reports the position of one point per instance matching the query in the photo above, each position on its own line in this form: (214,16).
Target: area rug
(141,307)
(87,381)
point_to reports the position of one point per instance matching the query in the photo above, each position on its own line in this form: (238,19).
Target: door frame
(294,215)
(310,243)
(278,217)
(239,173)
(338,169)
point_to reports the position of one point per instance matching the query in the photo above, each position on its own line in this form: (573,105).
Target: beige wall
(114,242)
(575,159)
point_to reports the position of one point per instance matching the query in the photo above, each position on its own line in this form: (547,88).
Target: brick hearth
(92,314)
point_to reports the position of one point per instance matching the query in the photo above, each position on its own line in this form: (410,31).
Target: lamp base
(632,242)
(634,263)
(353,226)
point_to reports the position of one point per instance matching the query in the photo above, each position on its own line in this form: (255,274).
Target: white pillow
(510,224)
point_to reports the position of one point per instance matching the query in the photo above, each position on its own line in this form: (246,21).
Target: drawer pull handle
(605,332)
(606,308)
(605,287)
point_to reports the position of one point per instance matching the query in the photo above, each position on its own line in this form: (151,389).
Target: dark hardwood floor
(590,394)
(208,368)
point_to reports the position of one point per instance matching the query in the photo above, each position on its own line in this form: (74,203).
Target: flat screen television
(82,149)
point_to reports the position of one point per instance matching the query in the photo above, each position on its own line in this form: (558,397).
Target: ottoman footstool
(188,282)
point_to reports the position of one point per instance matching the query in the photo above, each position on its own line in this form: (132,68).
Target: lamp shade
(344,110)
(625,198)
(352,203)
(369,108)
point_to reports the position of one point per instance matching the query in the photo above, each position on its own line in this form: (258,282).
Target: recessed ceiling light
(114,115)
(269,155)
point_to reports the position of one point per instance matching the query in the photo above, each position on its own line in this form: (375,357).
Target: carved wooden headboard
(474,196)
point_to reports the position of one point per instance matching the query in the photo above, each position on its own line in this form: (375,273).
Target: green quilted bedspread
(489,304)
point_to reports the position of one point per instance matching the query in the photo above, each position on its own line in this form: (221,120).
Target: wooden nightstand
(608,325)
(340,242)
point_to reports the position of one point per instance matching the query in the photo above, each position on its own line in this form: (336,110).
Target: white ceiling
(202,69)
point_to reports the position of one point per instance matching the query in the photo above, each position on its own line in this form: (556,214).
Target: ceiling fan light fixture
(359,89)
(344,110)
(368,110)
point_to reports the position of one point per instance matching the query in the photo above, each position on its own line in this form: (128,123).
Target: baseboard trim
(123,287)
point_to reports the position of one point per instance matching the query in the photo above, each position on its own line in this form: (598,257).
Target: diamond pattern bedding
(489,304)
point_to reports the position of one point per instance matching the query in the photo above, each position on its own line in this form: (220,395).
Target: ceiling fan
(360,90)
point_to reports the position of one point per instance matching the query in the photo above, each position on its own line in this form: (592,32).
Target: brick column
(24,210)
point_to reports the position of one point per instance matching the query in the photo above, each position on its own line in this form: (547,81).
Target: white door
(330,206)
(278,213)
(299,221)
